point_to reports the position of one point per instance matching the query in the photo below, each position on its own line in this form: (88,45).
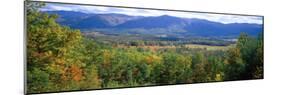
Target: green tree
(235,65)
(198,66)
(38,80)
(258,67)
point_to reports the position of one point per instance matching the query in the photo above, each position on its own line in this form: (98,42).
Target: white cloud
(50,7)
(223,18)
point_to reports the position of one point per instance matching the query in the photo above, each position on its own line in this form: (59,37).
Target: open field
(188,46)
(208,47)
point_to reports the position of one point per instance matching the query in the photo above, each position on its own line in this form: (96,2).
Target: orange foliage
(76,73)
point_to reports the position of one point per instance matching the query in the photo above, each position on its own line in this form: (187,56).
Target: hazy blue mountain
(205,28)
(69,18)
(169,25)
(85,21)
(153,22)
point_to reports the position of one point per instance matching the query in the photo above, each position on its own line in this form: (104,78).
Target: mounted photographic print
(77,47)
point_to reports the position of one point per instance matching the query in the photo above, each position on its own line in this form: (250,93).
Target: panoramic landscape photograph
(72,47)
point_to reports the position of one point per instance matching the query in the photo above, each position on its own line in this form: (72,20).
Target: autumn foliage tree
(55,56)
(245,61)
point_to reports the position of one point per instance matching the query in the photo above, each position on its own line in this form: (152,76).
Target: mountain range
(167,25)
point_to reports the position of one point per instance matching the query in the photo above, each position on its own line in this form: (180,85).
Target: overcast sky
(144,12)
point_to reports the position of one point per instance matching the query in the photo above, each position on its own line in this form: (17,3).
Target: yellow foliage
(152,59)
(218,77)
(106,57)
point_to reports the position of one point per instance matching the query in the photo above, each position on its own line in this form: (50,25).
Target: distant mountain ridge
(164,24)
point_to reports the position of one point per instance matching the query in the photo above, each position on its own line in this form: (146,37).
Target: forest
(60,58)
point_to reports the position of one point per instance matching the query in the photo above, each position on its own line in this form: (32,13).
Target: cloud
(222,18)
(52,7)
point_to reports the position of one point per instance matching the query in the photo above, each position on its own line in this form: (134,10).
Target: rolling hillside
(169,26)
